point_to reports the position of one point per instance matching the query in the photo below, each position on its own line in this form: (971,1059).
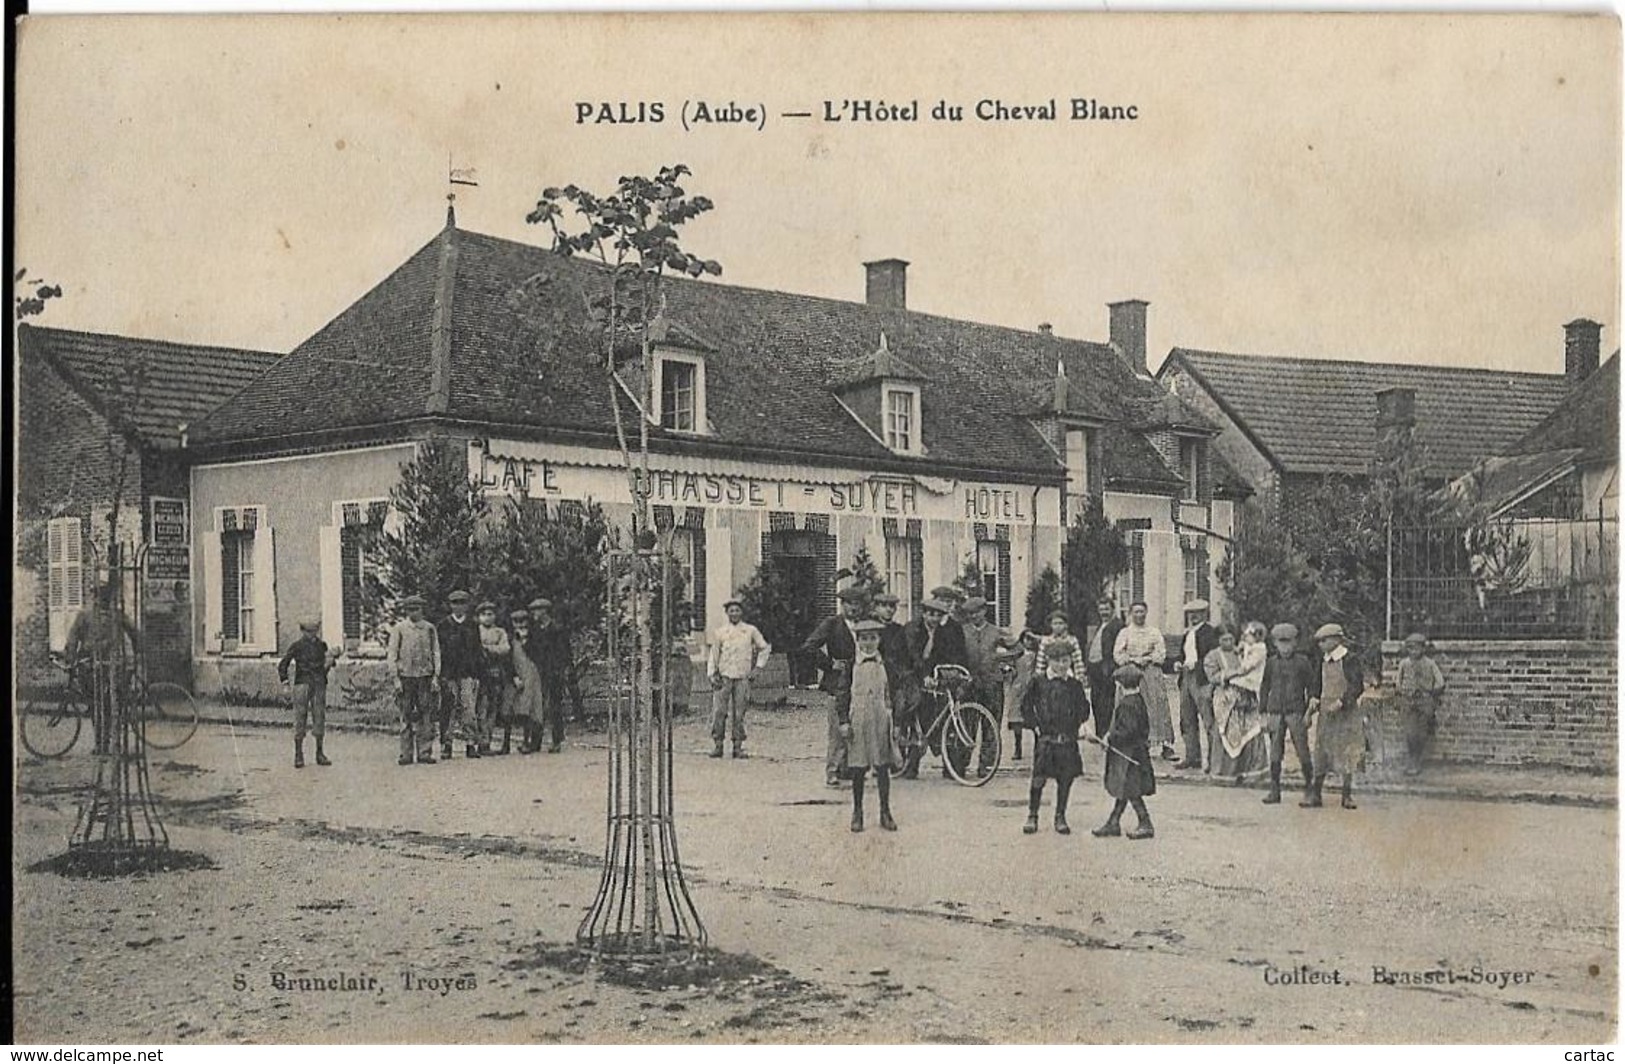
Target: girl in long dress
(527,706)
(1024,667)
(863,710)
(1241,749)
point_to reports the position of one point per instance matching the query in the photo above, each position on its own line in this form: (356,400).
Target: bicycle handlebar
(957,672)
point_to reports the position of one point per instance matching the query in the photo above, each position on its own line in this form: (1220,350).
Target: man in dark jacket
(549,648)
(833,646)
(1195,699)
(462,663)
(1101,663)
(898,655)
(933,639)
(1291,681)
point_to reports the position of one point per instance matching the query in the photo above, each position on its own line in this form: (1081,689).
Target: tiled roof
(506,321)
(182,382)
(1586,420)
(1319,416)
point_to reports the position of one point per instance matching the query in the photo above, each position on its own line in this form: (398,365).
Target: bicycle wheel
(50,727)
(971,746)
(169,715)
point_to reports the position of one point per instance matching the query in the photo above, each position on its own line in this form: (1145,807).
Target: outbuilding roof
(479,329)
(178,383)
(1319,415)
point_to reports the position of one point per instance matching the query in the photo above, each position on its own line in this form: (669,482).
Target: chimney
(1046,329)
(1582,348)
(887,286)
(1396,408)
(1128,332)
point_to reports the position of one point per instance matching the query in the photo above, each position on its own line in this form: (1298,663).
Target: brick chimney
(1046,329)
(1396,408)
(1128,332)
(1582,348)
(887,284)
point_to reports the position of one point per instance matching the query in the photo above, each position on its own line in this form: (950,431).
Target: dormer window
(681,387)
(1190,468)
(902,409)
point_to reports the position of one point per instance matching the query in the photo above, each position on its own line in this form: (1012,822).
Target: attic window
(900,405)
(681,387)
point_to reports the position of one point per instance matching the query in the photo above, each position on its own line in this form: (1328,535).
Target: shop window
(902,418)
(682,393)
(900,573)
(65,577)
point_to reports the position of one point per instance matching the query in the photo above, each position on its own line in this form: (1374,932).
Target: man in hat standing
(1421,685)
(833,646)
(414,661)
(983,641)
(311,661)
(1101,663)
(934,638)
(1340,719)
(737,650)
(550,649)
(1195,695)
(1291,682)
(899,658)
(462,662)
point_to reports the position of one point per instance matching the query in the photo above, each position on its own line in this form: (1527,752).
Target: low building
(100,420)
(789,425)
(1286,424)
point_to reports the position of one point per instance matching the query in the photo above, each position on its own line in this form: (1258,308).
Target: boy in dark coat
(1055,708)
(311,661)
(1291,681)
(1129,776)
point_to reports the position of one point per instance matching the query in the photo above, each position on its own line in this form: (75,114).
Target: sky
(1403,188)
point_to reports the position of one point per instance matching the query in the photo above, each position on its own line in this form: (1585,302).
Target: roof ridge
(1103,345)
(1307,360)
(157,341)
(440,327)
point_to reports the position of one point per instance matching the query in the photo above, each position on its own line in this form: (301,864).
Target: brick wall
(1519,703)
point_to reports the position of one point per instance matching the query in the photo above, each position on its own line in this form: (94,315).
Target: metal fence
(1526,578)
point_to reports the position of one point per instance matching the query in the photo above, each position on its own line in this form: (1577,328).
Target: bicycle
(50,727)
(968,731)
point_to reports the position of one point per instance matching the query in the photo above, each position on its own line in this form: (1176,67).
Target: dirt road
(430,903)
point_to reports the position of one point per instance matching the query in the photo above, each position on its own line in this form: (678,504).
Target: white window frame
(262,607)
(1191,469)
(657,416)
(1191,567)
(246,550)
(682,551)
(1077,473)
(912,444)
(65,577)
(1127,593)
(900,573)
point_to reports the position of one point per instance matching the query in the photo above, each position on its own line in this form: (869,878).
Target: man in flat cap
(1291,682)
(551,651)
(310,659)
(898,655)
(462,661)
(1195,695)
(833,646)
(983,642)
(1340,718)
(414,662)
(738,649)
(934,638)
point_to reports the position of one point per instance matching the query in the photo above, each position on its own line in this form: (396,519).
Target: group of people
(1239,699)
(459,680)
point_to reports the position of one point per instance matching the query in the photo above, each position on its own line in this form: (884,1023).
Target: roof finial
(456,177)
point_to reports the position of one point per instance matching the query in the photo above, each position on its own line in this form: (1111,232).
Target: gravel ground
(446,895)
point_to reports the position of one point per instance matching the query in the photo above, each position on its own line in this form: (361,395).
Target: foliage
(1324,561)
(970,578)
(1043,599)
(1096,551)
(863,574)
(773,603)
(30,295)
(527,553)
(435,548)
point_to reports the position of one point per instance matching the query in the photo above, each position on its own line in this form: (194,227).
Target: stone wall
(1519,703)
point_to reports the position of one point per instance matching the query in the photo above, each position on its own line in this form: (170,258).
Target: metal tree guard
(642,911)
(118,820)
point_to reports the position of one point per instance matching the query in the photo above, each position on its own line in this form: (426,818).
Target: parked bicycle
(166,712)
(967,733)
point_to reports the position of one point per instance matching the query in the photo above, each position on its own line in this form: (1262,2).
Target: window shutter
(213,621)
(265,627)
(332,585)
(1006,592)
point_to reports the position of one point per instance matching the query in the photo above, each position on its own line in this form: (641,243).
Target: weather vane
(455,177)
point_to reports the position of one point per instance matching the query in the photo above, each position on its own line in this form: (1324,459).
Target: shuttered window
(65,576)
